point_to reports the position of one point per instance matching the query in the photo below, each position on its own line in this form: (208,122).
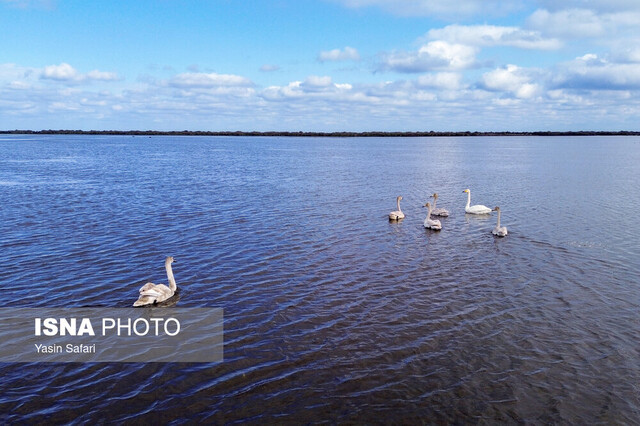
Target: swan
(397,214)
(151,293)
(430,223)
(478,208)
(438,212)
(500,231)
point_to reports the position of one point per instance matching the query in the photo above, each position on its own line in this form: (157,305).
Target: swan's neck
(498,225)
(398,203)
(435,200)
(468,199)
(429,212)
(172,280)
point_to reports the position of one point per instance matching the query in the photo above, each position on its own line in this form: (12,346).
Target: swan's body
(430,223)
(500,231)
(478,208)
(151,293)
(397,214)
(438,212)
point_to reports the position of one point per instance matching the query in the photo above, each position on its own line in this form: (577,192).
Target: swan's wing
(159,290)
(152,292)
(479,208)
(440,212)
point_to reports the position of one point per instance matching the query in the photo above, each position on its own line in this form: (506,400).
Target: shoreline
(313,134)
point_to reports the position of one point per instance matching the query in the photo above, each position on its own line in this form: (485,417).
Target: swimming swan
(151,293)
(430,223)
(500,231)
(397,214)
(478,208)
(438,212)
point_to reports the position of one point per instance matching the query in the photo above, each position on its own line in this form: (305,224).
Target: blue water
(331,312)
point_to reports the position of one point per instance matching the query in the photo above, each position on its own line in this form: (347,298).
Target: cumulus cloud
(313,87)
(346,54)
(491,35)
(590,72)
(66,73)
(435,55)
(442,80)
(512,80)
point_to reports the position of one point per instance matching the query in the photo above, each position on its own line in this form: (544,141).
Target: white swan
(430,223)
(397,214)
(478,208)
(500,231)
(438,212)
(151,293)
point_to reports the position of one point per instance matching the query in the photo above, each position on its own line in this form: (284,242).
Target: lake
(331,311)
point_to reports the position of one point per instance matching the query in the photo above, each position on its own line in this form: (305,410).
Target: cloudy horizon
(331,65)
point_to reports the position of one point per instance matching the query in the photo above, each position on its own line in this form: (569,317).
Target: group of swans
(435,224)
(152,294)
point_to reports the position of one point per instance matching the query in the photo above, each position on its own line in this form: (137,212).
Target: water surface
(331,311)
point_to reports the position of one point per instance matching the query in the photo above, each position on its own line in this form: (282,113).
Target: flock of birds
(152,294)
(500,231)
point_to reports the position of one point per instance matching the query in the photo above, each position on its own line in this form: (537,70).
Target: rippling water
(331,312)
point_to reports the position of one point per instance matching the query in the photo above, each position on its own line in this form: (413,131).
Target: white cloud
(60,72)
(66,73)
(567,96)
(207,80)
(435,55)
(442,80)
(513,80)
(491,35)
(571,23)
(591,72)
(585,23)
(346,54)
(316,81)
(627,54)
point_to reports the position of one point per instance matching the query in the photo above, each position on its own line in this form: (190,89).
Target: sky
(320,65)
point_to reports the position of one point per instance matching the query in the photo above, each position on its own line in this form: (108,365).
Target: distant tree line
(313,134)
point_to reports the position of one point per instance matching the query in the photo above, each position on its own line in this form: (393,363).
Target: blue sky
(320,65)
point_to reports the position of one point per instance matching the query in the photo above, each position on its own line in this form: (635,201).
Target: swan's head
(427,205)
(434,196)
(495,209)
(169,259)
(399,197)
(466,190)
